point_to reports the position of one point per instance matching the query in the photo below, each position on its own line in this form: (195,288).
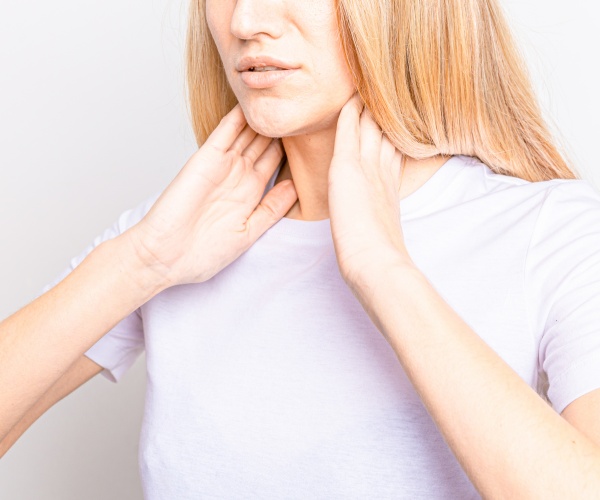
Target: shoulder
(564,248)
(562,212)
(566,195)
(569,214)
(475,180)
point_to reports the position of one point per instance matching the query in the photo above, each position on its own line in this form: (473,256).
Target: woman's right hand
(212,211)
(210,214)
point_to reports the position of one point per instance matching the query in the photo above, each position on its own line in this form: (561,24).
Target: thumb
(272,208)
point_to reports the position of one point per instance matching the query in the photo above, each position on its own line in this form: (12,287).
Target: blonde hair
(442,77)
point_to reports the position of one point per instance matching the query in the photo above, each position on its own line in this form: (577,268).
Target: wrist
(385,282)
(392,298)
(142,270)
(379,271)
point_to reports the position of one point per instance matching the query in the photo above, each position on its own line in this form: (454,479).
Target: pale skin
(508,440)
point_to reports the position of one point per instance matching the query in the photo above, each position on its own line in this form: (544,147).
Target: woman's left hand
(509,427)
(364,202)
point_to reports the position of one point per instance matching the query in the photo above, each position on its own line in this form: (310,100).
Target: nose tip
(253,18)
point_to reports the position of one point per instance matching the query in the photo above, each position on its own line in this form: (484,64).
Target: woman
(374,328)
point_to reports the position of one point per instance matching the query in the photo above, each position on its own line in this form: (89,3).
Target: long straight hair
(443,77)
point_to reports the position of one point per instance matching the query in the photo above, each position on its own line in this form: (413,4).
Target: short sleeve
(118,349)
(562,277)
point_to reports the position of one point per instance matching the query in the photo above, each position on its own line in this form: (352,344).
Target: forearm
(41,341)
(205,219)
(507,439)
(77,374)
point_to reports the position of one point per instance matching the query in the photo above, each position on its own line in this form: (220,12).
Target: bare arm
(209,215)
(584,413)
(39,343)
(508,440)
(80,372)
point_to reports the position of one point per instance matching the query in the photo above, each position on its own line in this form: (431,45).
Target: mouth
(263,62)
(259,69)
(262,71)
(266,77)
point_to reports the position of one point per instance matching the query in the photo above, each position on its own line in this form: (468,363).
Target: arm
(39,343)
(209,215)
(584,414)
(508,440)
(80,372)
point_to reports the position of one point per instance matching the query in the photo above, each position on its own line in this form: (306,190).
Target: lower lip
(265,79)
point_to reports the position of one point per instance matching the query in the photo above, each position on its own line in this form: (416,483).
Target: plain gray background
(93,121)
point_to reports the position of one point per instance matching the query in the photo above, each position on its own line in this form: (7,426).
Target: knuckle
(251,154)
(270,210)
(238,121)
(234,121)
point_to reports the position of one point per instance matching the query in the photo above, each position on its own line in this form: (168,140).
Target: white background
(93,121)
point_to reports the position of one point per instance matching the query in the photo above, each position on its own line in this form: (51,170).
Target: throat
(295,212)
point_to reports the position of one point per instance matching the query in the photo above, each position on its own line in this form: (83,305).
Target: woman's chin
(276,117)
(279,125)
(269,124)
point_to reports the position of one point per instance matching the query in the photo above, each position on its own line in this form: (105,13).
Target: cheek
(216,20)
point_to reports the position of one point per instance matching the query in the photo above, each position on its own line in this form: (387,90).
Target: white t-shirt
(270,381)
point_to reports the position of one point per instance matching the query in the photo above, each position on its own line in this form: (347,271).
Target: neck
(308,159)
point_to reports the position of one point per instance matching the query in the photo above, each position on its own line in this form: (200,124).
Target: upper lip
(258,61)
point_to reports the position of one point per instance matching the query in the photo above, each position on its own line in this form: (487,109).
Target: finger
(398,164)
(229,128)
(398,161)
(242,141)
(370,138)
(257,147)
(347,135)
(387,151)
(268,161)
(275,204)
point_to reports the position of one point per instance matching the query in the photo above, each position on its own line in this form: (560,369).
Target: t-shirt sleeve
(562,276)
(118,349)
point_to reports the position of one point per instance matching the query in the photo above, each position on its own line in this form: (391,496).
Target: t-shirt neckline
(321,229)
